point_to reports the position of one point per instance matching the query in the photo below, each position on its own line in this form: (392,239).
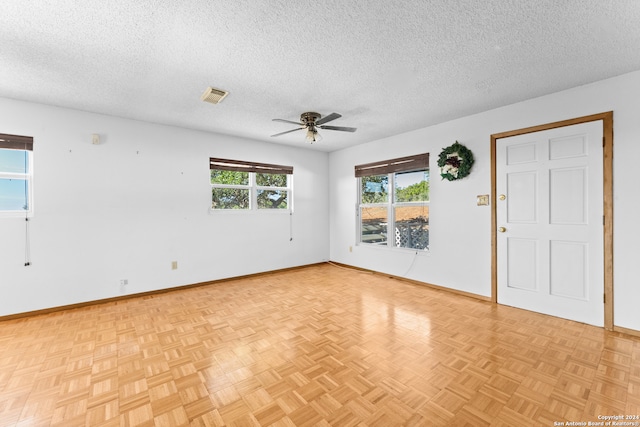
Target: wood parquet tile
(317,346)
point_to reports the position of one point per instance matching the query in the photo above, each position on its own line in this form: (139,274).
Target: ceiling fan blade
(342,128)
(328,118)
(288,121)
(288,131)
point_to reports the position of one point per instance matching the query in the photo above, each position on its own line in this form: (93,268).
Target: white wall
(127,208)
(460,239)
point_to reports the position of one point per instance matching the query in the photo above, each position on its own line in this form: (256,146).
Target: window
(16,172)
(240,185)
(393,205)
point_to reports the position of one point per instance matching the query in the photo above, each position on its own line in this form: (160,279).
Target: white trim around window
(241,186)
(16,176)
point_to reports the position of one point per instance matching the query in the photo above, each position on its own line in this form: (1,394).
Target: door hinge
(604,298)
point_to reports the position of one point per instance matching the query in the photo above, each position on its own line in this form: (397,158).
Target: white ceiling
(388,66)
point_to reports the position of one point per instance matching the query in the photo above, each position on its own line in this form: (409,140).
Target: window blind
(401,164)
(16,142)
(244,166)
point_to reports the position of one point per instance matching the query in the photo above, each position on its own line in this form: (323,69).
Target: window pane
(272,199)
(375,189)
(229,177)
(14,194)
(374,225)
(412,186)
(230,198)
(271,180)
(14,161)
(412,227)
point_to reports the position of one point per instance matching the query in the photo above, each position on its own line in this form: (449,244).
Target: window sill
(250,211)
(394,248)
(19,215)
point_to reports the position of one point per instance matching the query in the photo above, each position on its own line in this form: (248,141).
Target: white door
(550,222)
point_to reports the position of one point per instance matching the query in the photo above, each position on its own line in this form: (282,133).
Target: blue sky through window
(13,194)
(14,190)
(14,161)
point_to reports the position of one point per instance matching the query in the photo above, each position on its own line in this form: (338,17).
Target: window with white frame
(393,202)
(16,175)
(242,185)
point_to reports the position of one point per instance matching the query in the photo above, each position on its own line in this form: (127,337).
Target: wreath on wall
(455,162)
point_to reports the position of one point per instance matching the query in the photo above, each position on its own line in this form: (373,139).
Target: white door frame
(607,141)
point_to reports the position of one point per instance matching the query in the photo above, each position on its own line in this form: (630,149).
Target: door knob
(502,197)
(502,229)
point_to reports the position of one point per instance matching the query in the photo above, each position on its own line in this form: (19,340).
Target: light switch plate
(483,200)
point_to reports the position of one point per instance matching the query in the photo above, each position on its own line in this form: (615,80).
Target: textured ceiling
(387,66)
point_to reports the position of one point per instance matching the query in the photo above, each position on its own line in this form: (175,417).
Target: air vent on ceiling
(213,95)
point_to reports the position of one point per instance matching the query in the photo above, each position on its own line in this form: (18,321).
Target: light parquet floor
(318,346)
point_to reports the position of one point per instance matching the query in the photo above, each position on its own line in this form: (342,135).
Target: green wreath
(455,162)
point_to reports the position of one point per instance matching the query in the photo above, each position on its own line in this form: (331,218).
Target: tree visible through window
(394,202)
(230,189)
(244,185)
(272,191)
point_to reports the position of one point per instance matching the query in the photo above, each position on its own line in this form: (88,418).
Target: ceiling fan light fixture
(313,136)
(213,95)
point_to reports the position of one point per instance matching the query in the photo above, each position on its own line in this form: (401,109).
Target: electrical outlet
(174,265)
(123,285)
(350,248)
